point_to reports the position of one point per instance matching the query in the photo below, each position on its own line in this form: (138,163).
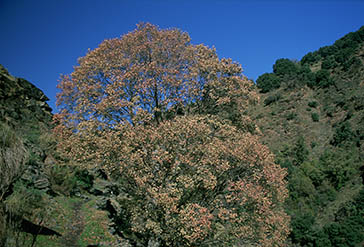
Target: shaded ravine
(74,230)
(346,194)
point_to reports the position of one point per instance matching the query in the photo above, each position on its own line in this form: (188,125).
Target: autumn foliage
(165,119)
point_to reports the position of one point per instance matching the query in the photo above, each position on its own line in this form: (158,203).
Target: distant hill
(312,116)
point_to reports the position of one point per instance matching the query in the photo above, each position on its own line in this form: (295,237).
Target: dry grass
(13,156)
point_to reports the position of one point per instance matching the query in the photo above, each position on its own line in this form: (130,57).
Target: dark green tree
(329,63)
(268,82)
(284,66)
(310,58)
(300,151)
(343,133)
(323,78)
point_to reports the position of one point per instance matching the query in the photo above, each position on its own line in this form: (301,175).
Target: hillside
(41,198)
(312,116)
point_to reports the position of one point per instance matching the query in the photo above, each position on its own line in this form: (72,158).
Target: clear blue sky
(41,39)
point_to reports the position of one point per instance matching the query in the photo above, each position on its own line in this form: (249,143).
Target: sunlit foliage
(199,178)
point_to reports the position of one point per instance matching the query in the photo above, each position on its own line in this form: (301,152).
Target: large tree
(200,178)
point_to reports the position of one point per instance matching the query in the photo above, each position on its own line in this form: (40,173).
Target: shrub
(300,151)
(330,110)
(62,178)
(343,133)
(313,104)
(323,78)
(313,144)
(24,203)
(315,116)
(85,180)
(312,170)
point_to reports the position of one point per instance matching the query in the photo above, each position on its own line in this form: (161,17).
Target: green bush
(62,178)
(325,193)
(85,180)
(320,239)
(268,82)
(299,151)
(24,203)
(312,170)
(313,145)
(343,133)
(300,186)
(313,104)
(346,230)
(309,79)
(315,117)
(348,233)
(323,78)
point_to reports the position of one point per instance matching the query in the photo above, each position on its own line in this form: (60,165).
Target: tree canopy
(268,82)
(284,66)
(195,177)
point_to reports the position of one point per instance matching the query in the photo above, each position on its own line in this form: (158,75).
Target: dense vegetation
(314,69)
(313,118)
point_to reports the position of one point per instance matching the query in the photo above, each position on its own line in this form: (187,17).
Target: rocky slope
(24,108)
(21,101)
(46,202)
(24,118)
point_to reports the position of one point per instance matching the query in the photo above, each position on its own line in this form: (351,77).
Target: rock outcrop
(24,108)
(21,101)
